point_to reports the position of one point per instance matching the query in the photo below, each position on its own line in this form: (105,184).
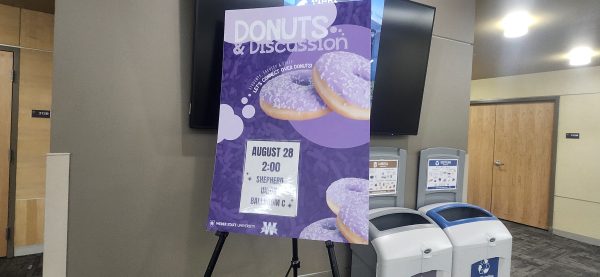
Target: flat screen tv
(405,39)
(401,67)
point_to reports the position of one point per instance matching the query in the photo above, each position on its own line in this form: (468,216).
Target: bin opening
(433,273)
(391,221)
(458,213)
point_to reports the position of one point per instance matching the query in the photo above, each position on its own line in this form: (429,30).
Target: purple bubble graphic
(248,111)
(231,126)
(334,131)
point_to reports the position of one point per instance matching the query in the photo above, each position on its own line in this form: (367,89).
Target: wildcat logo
(269,228)
(484,267)
(238,49)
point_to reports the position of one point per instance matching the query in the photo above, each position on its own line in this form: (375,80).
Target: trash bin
(403,243)
(481,243)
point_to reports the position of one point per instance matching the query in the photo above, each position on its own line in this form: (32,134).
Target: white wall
(56,215)
(555,83)
(577,195)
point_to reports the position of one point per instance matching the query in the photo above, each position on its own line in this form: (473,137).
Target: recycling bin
(481,243)
(403,243)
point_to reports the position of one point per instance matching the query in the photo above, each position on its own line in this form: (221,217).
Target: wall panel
(577,217)
(29,222)
(35,93)
(37,30)
(576,166)
(9,25)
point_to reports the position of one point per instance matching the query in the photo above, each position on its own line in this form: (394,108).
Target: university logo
(269,228)
(484,267)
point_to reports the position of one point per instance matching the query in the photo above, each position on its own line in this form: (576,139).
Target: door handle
(498,163)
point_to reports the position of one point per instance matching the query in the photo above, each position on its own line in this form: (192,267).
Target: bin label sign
(442,174)
(383,177)
(485,268)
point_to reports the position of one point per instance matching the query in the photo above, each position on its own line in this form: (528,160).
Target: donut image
(343,80)
(346,190)
(353,222)
(324,229)
(292,96)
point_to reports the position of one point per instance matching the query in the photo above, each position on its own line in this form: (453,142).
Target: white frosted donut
(324,229)
(343,80)
(346,190)
(353,222)
(292,96)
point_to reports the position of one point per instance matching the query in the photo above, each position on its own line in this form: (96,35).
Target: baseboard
(29,250)
(317,274)
(581,238)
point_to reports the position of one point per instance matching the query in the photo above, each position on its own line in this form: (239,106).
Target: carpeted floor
(536,253)
(26,266)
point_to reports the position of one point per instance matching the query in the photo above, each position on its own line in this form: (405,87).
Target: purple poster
(293,143)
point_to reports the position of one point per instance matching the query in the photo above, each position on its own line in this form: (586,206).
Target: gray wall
(140,179)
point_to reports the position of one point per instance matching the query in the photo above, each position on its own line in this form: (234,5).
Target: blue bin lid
(454,214)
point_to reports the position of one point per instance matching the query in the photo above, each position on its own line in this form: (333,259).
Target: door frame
(12,185)
(556,101)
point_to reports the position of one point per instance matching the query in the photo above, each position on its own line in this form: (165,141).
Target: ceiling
(46,6)
(559,25)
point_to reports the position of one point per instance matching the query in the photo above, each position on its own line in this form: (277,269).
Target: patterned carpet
(26,266)
(536,253)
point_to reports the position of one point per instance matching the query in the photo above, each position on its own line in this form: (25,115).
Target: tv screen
(405,37)
(404,44)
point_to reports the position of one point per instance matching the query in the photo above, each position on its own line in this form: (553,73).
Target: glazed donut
(346,190)
(291,96)
(324,229)
(343,80)
(353,222)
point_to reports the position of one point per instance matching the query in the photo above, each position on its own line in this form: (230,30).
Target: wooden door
(522,162)
(482,122)
(6,75)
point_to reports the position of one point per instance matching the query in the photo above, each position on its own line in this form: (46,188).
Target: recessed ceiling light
(516,24)
(579,56)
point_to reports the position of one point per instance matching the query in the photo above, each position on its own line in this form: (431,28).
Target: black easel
(216,253)
(294,264)
(332,259)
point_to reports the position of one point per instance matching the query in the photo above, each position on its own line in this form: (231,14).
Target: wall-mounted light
(516,24)
(581,55)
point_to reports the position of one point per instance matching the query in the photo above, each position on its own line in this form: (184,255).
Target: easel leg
(215,255)
(332,260)
(295,264)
